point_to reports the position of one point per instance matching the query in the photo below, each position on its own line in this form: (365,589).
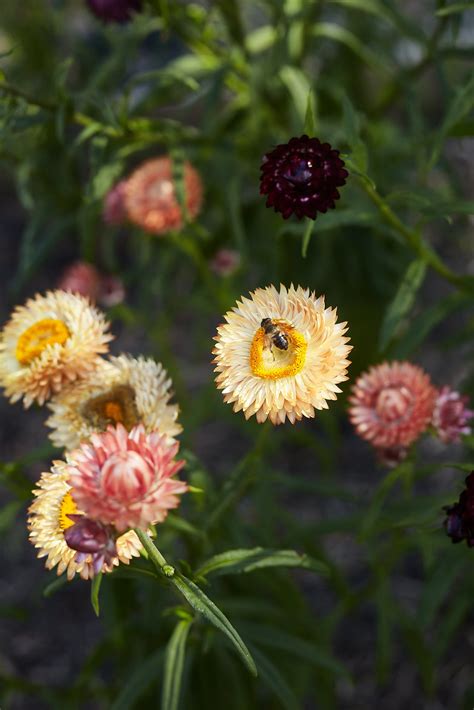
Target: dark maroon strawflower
(459,524)
(114,10)
(301,177)
(90,537)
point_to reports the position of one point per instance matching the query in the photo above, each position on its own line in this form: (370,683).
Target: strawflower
(459,524)
(451,415)
(301,177)
(51,341)
(150,196)
(123,390)
(125,479)
(391,404)
(114,10)
(53,513)
(281,354)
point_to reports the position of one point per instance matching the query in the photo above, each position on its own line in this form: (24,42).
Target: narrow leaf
(174,665)
(275,682)
(248,560)
(299,88)
(454,8)
(306,237)
(310,117)
(403,301)
(139,681)
(203,605)
(95,588)
(459,108)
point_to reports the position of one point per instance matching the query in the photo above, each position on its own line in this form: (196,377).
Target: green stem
(412,237)
(154,554)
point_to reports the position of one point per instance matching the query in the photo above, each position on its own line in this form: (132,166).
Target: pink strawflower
(114,210)
(112,290)
(125,479)
(82,278)
(150,196)
(451,415)
(225,262)
(392,404)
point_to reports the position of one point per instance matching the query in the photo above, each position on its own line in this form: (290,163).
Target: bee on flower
(281,354)
(123,390)
(51,341)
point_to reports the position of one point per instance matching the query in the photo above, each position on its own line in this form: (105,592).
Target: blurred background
(82,103)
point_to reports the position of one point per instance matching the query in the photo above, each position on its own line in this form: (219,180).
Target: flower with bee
(281,354)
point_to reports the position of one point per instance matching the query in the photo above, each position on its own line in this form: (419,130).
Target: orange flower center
(272,363)
(38,336)
(67,507)
(113,407)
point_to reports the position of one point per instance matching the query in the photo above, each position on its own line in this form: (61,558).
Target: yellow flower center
(67,507)
(272,363)
(113,407)
(38,336)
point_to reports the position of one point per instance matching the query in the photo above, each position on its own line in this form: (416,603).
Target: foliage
(233,614)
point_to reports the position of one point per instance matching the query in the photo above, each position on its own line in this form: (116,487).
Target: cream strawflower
(123,389)
(125,479)
(50,341)
(48,519)
(281,354)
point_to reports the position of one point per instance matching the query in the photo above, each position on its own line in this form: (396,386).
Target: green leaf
(203,605)
(174,665)
(310,115)
(437,588)
(54,586)
(303,649)
(299,88)
(139,681)
(95,588)
(307,236)
(273,679)
(460,106)
(104,178)
(352,129)
(402,301)
(328,30)
(261,39)
(425,322)
(454,8)
(248,560)
(177,157)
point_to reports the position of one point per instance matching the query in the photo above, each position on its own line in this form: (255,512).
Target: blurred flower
(114,211)
(49,342)
(81,278)
(114,10)
(280,354)
(125,479)
(49,519)
(451,415)
(460,521)
(225,262)
(150,196)
(122,390)
(301,177)
(112,290)
(392,404)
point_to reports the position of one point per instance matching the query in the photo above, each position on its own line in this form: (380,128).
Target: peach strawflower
(150,196)
(125,479)
(114,210)
(262,377)
(48,521)
(451,415)
(122,390)
(81,278)
(49,342)
(392,404)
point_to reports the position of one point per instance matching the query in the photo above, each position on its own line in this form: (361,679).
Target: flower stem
(413,238)
(154,554)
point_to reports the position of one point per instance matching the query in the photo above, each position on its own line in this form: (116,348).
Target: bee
(278,338)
